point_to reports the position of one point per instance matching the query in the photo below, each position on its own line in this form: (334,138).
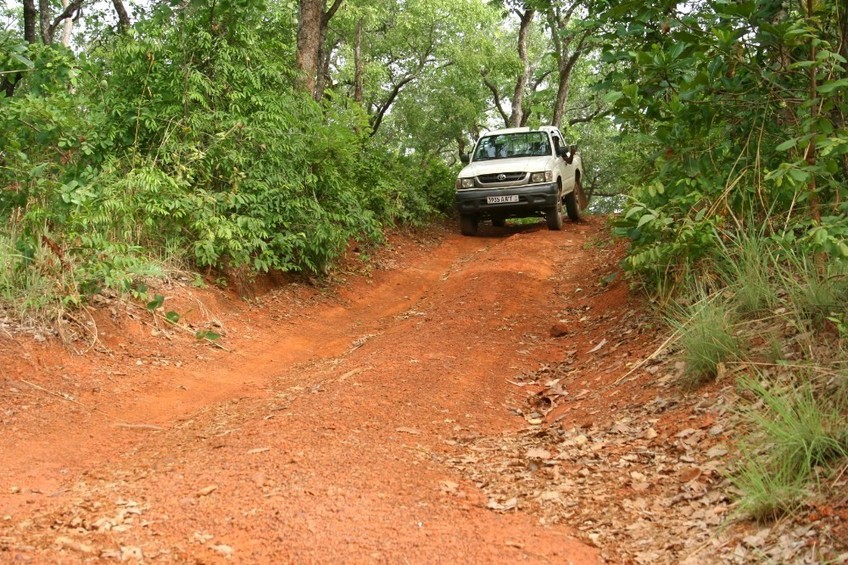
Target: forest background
(243,136)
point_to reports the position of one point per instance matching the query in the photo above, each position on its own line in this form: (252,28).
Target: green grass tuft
(708,338)
(804,431)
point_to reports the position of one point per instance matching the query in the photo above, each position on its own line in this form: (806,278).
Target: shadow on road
(489,231)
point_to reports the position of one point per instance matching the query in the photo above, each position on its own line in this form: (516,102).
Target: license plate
(501,199)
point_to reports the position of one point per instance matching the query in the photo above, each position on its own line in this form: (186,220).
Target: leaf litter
(644,481)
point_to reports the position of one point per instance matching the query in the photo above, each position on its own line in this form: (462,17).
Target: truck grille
(501,178)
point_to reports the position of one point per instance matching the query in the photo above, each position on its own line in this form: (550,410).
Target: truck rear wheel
(574,201)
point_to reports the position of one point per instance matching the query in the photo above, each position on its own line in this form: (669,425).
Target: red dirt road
(319,435)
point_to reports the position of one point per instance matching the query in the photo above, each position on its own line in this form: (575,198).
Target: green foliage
(802,431)
(738,117)
(187,141)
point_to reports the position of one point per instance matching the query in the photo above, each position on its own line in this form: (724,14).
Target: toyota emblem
(501,177)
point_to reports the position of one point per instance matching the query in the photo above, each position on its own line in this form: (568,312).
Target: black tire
(498,222)
(553,217)
(468,225)
(574,201)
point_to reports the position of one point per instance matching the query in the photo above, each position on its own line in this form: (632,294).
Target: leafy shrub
(188,141)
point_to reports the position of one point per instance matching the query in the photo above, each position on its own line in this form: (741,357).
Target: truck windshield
(508,145)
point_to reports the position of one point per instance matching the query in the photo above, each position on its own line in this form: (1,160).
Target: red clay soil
(316,429)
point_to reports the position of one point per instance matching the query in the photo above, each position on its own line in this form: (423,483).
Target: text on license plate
(501,199)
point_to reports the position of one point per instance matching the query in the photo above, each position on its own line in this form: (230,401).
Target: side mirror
(562,152)
(465,158)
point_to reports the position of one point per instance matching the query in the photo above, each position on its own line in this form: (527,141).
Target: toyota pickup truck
(520,173)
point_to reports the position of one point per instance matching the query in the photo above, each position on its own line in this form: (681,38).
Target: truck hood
(516,164)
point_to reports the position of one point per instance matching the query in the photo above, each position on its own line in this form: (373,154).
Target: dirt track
(321,433)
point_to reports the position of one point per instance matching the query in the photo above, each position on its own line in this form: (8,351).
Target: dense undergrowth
(188,145)
(739,110)
(773,320)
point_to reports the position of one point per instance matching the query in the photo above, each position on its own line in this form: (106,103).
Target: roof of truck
(523,129)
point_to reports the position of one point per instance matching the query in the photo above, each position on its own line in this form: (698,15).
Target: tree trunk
(8,83)
(810,154)
(308,37)
(44,16)
(123,18)
(312,26)
(358,91)
(564,40)
(516,118)
(30,17)
(67,26)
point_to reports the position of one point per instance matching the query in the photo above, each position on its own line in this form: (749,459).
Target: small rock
(559,330)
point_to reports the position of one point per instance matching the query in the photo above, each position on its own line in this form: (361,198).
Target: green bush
(189,143)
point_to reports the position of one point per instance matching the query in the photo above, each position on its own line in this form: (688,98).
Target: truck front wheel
(468,225)
(553,217)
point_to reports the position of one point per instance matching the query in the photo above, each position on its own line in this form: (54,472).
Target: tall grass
(707,338)
(787,307)
(802,429)
(32,282)
(747,269)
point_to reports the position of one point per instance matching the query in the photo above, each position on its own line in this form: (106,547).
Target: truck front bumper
(532,200)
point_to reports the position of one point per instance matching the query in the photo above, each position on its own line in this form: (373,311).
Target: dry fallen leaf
(207,490)
(224,550)
(68,543)
(538,453)
(599,346)
(507,505)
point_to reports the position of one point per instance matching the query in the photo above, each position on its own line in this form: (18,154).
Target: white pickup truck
(519,173)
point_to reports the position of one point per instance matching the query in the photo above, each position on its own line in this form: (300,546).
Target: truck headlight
(544,176)
(464,183)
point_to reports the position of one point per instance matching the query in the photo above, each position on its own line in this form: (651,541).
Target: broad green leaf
(645,219)
(788,144)
(156,303)
(829,87)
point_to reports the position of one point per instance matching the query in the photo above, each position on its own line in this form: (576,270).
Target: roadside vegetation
(739,214)
(240,138)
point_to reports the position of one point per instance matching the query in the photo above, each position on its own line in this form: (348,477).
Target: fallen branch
(644,361)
